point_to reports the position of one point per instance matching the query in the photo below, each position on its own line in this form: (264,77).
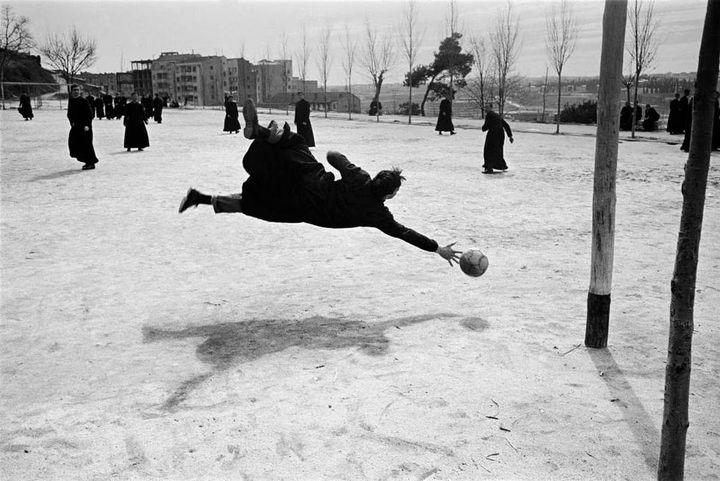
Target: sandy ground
(142,344)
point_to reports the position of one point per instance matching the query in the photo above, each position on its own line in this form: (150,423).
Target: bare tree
(324,61)
(410,43)
(505,47)
(675,423)
(545,87)
(284,53)
(303,56)
(479,87)
(377,58)
(349,45)
(644,43)
(70,53)
(560,37)
(15,38)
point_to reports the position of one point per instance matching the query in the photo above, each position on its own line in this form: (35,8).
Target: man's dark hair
(387,181)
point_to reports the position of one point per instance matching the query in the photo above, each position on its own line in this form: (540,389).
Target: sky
(128,30)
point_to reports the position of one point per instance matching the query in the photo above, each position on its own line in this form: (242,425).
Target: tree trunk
(606,150)
(544,94)
(410,102)
(634,106)
(671,465)
(427,92)
(557,120)
(378,86)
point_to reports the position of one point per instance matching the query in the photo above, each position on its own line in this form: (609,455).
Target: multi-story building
(274,78)
(191,79)
(242,79)
(164,73)
(125,83)
(300,85)
(142,76)
(105,82)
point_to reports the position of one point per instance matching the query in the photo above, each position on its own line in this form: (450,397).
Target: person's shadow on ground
(56,175)
(230,343)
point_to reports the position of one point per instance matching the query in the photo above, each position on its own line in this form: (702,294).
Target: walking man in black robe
(109,110)
(302,120)
(25,107)
(287,184)
(493,152)
(157,108)
(136,135)
(444,121)
(80,139)
(232,124)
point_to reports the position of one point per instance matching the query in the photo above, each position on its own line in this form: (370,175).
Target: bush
(584,113)
(403,109)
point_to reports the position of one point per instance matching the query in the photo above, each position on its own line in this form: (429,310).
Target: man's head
(133,96)
(687,91)
(387,182)
(75,90)
(301,95)
(677,95)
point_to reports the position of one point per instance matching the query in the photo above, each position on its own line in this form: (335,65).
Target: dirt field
(143,344)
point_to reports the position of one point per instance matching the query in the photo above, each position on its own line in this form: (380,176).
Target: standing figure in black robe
(99,107)
(650,122)
(109,110)
(91,101)
(120,102)
(232,124)
(493,153)
(80,140)
(287,184)
(674,123)
(136,136)
(302,120)
(25,107)
(444,121)
(157,107)
(147,102)
(626,117)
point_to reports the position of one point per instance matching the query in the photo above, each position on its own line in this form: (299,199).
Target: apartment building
(274,78)
(242,79)
(142,76)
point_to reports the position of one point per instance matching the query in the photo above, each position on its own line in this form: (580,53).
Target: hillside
(22,67)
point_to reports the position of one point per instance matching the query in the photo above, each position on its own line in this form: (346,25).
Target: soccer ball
(473,263)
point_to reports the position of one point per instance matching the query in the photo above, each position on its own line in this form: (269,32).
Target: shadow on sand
(227,344)
(57,175)
(636,417)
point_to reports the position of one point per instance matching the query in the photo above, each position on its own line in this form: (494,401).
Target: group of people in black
(680,120)
(648,121)
(81,112)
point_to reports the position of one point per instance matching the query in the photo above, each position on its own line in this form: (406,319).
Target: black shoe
(251,120)
(88,167)
(452,133)
(488,171)
(191,199)
(128,149)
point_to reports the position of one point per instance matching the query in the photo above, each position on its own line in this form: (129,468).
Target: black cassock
(136,135)
(231,117)
(302,122)
(493,152)
(80,142)
(99,108)
(157,105)
(444,121)
(25,107)
(675,122)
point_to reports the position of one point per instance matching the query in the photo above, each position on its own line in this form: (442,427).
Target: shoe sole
(184,207)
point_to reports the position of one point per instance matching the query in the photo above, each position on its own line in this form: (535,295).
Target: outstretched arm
(394,229)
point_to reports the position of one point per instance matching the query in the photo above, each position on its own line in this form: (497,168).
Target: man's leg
(192,199)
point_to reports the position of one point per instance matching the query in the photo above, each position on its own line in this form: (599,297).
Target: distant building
(242,79)
(125,85)
(336,101)
(300,85)
(142,76)
(106,82)
(274,78)
(164,73)
(190,78)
